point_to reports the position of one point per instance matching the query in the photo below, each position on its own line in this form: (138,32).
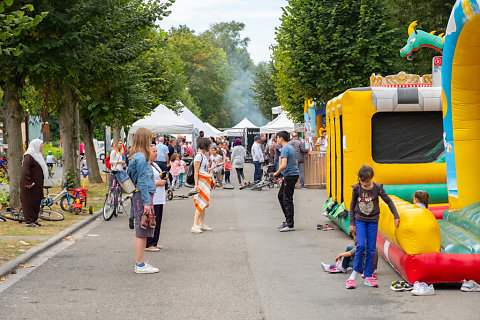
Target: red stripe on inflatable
(430,267)
(438,211)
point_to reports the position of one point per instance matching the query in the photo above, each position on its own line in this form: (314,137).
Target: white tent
(218,132)
(282,122)
(239,129)
(188,115)
(163,120)
(245,123)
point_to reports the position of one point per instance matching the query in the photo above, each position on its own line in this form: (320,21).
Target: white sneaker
(470,286)
(196,229)
(145,269)
(423,289)
(205,228)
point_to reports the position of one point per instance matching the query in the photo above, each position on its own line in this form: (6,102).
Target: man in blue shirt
(287,165)
(162,154)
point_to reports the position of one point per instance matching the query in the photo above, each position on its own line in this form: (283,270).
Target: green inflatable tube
(437,191)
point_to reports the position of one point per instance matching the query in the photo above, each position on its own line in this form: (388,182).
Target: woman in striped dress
(203,184)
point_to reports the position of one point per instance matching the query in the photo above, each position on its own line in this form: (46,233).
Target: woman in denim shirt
(140,171)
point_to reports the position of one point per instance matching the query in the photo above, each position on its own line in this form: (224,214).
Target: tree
(264,95)
(206,70)
(13,26)
(13,21)
(325,47)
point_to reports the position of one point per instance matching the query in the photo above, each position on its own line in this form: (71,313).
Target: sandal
(152,249)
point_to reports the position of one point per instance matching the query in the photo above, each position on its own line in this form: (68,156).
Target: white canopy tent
(218,132)
(188,115)
(164,121)
(282,122)
(245,123)
(239,129)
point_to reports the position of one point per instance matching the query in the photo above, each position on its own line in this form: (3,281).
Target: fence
(316,170)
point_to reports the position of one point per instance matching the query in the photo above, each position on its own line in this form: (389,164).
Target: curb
(13,264)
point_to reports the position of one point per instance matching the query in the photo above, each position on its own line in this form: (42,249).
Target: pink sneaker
(370,282)
(350,284)
(374,276)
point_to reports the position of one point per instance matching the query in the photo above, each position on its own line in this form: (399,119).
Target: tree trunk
(68,120)
(116,131)
(86,127)
(13,125)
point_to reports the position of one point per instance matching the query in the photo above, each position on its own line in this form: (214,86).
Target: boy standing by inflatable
(364,215)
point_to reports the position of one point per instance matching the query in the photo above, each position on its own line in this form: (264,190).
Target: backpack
(191,172)
(107,162)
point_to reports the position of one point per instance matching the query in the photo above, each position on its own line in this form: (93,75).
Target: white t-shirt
(115,157)
(217,161)
(159,195)
(50,158)
(203,163)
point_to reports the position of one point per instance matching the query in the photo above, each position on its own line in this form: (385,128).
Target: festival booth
(282,122)
(245,130)
(162,121)
(188,116)
(436,245)
(219,133)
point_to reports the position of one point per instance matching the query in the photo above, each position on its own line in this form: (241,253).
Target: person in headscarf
(238,160)
(34,171)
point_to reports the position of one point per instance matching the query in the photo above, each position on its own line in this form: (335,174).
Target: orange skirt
(202,198)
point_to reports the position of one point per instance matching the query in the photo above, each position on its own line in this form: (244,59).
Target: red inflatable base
(438,211)
(430,267)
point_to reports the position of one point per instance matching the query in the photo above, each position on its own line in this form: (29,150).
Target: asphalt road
(244,269)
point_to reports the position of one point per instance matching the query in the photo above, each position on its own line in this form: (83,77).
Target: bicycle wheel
(66,202)
(12,215)
(109,206)
(50,215)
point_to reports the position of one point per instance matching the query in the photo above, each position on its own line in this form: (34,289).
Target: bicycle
(44,214)
(113,198)
(50,170)
(66,199)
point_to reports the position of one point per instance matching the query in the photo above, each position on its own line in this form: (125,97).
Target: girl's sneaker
(370,282)
(374,276)
(350,284)
(205,228)
(196,229)
(328,268)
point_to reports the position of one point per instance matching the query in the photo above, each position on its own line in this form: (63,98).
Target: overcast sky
(260,18)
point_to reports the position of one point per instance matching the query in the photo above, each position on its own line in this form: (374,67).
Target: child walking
(228,169)
(364,215)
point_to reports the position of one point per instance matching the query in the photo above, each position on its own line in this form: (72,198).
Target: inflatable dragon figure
(419,39)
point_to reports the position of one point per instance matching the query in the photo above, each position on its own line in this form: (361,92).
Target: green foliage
(49,147)
(13,21)
(263,89)
(325,47)
(206,71)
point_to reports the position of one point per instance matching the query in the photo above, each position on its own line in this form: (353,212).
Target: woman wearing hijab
(238,160)
(34,171)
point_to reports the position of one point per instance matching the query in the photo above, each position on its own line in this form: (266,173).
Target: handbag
(191,172)
(125,181)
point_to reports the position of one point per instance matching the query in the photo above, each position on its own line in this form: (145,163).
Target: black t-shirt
(171,151)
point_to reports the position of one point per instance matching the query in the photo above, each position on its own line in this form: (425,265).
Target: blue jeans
(366,243)
(258,168)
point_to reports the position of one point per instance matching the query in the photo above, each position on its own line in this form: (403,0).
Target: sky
(260,18)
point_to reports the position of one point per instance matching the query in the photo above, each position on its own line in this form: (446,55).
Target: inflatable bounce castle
(418,137)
